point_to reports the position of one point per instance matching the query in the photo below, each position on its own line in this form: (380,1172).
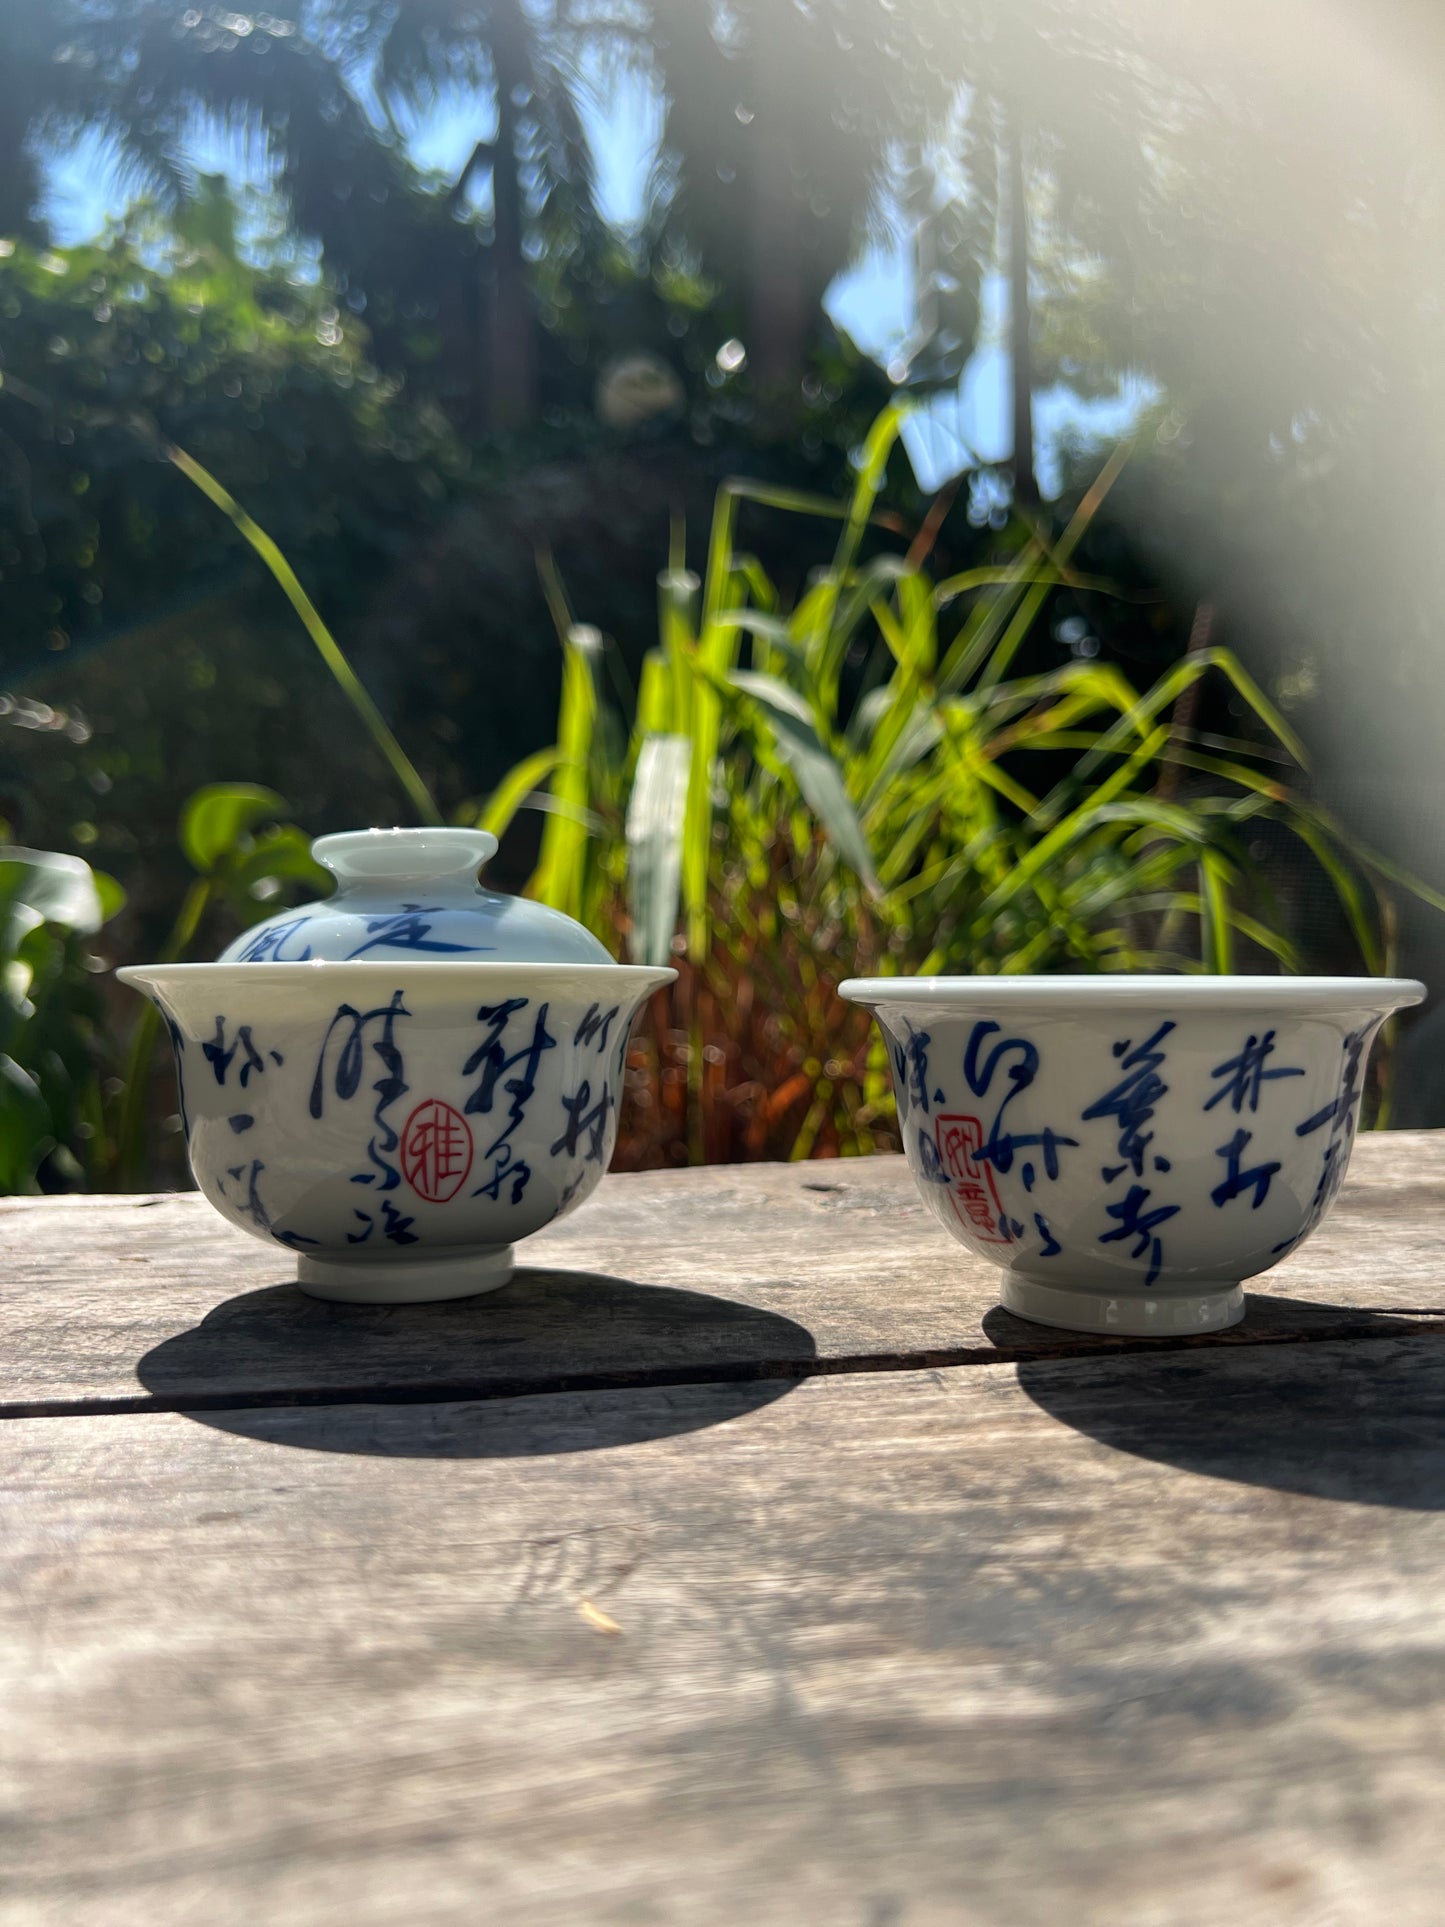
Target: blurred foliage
(57,1100)
(106,346)
(77,1106)
(503,291)
(122,585)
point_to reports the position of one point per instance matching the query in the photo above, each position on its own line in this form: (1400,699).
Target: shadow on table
(1364,1422)
(479,1377)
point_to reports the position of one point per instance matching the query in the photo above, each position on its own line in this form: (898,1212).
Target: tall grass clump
(869,781)
(876,778)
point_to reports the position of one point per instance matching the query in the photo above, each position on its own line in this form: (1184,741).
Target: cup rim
(1140,991)
(335,972)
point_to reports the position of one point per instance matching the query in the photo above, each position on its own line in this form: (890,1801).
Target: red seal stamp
(436,1151)
(970,1178)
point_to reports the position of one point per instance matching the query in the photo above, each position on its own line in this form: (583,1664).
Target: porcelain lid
(414,894)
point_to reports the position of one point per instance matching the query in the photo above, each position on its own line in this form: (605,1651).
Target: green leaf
(52,888)
(817,775)
(656,823)
(1069,831)
(871,470)
(560,877)
(828,644)
(111,893)
(1216,940)
(280,855)
(1038,591)
(795,501)
(515,790)
(26,1129)
(918,737)
(781,702)
(216,820)
(1173,684)
(657,710)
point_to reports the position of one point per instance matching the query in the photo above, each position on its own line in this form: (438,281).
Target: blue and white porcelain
(412,895)
(1129,1149)
(399,1083)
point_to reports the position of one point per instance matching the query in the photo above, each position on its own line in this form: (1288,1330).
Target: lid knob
(396,858)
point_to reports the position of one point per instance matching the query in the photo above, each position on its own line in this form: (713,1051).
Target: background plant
(241,232)
(891,776)
(80,1106)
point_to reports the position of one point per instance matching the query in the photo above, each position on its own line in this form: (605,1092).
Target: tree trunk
(777,301)
(777,296)
(509,375)
(1021,361)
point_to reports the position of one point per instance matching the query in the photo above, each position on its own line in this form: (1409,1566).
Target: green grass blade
(876,450)
(797,501)
(1059,556)
(330,650)
(1216,936)
(512,793)
(560,878)
(555,594)
(656,702)
(677,593)
(656,824)
(953,586)
(1173,684)
(817,774)
(1073,826)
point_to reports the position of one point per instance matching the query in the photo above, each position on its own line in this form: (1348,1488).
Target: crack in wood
(721,1372)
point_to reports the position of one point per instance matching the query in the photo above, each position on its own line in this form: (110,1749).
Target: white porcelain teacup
(1129,1148)
(402,1103)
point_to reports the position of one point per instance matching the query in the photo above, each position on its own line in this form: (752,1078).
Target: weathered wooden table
(739,1562)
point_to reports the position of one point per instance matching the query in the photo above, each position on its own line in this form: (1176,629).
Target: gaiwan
(400,1082)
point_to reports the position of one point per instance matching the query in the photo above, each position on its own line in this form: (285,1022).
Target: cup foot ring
(1206,1307)
(407,1281)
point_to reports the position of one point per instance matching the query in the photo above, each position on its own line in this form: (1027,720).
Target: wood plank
(1153,1639)
(737,1269)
